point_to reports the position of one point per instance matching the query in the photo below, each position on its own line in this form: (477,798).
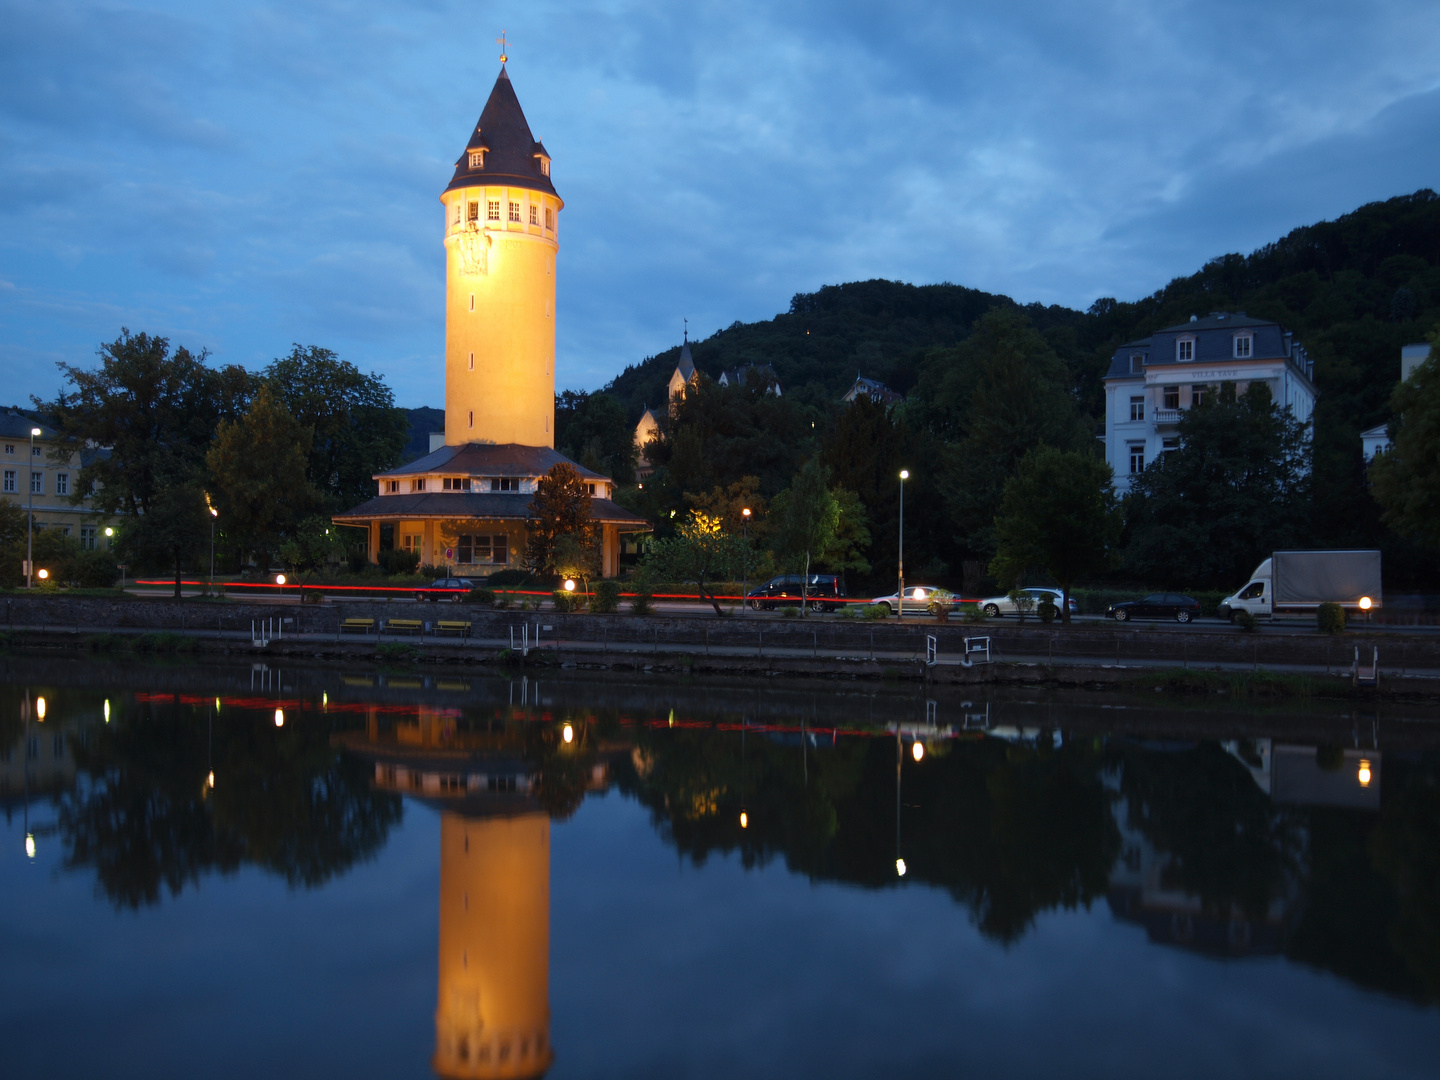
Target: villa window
(392,487)
(482,549)
(456,483)
(1137,364)
(88,537)
(515,212)
(1172,397)
(9,448)
(504,483)
(36,451)
(1185,349)
(550,219)
(492,209)
(1197,396)
(37,483)
(477,159)
(1137,457)
(534,215)
(410,542)
(1242,346)
(9,480)
(62,483)
(1169,443)
(417,484)
(1137,408)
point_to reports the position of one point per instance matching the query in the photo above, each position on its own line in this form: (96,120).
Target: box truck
(1298,582)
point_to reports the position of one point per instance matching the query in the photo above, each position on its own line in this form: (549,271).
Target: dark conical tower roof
(511,154)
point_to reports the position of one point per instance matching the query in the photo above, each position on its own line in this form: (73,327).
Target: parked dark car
(449,588)
(1160,605)
(785,589)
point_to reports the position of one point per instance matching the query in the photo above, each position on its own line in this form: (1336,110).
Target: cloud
(264,174)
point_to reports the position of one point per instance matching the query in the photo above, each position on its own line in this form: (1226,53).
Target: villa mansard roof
(488,459)
(1213,341)
(478,505)
(509,155)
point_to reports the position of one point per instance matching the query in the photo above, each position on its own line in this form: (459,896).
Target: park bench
(404,626)
(357,626)
(453,628)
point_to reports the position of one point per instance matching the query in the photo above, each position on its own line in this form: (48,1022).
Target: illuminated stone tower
(492,1015)
(502,217)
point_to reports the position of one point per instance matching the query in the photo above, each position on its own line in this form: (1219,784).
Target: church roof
(488,459)
(686,366)
(512,153)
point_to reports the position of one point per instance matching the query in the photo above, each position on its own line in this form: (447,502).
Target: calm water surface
(242,871)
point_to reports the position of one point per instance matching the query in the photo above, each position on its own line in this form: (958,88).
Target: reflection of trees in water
(283,800)
(1229,845)
(1010,830)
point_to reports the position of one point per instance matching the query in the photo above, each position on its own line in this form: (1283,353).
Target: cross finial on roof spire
(504,46)
(687,331)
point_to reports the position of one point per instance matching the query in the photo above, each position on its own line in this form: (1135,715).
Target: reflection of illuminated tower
(492,1014)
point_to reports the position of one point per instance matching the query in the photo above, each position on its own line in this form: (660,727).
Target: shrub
(398,561)
(606,600)
(848,611)
(644,594)
(1047,611)
(431,570)
(971,613)
(478,595)
(790,611)
(1245,621)
(1330,617)
(502,602)
(566,602)
(876,612)
(507,578)
(357,560)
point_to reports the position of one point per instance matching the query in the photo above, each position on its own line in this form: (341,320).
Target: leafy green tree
(356,429)
(1058,513)
(1406,478)
(258,464)
(1236,489)
(993,398)
(810,523)
(594,430)
(312,544)
(702,551)
(155,411)
(561,507)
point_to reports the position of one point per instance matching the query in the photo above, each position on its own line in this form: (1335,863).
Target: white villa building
(1377,439)
(1152,382)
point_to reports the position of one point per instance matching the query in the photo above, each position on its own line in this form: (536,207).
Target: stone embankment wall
(1104,643)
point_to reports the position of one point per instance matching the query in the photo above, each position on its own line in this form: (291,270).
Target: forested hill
(1353,290)
(878,328)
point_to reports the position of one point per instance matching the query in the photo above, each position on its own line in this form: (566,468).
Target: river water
(249,870)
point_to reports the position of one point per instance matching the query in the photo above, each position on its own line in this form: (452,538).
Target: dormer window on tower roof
(477,159)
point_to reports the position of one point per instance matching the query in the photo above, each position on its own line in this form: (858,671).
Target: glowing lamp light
(279,717)
(918,750)
(1365,603)
(39,708)
(919,594)
(42,574)
(279,579)
(210,780)
(568,734)
(30,844)
(745,512)
(107,710)
(569,584)
(325,700)
(904,475)
(217,704)
(899,867)
(216,513)
(35,431)
(1364,774)
(744,820)
(109,531)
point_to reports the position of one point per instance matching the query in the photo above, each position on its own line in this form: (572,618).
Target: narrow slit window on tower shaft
(472,301)
(472,361)
(472,419)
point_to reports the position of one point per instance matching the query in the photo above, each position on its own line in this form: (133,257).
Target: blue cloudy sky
(240,176)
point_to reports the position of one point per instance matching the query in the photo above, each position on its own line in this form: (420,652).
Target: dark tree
(561,507)
(594,430)
(1235,490)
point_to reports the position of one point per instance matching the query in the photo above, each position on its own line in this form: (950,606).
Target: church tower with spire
(502,218)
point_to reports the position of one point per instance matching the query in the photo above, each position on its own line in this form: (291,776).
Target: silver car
(919,599)
(996,606)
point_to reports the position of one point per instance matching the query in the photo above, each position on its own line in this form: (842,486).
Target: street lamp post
(213,515)
(745,557)
(30,517)
(900,592)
